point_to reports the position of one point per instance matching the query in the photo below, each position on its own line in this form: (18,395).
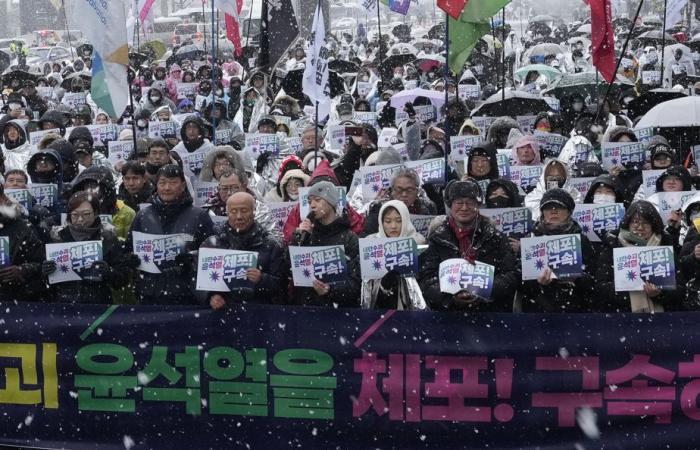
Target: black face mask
(152,169)
(499,202)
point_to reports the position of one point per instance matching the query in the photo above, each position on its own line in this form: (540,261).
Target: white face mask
(603,199)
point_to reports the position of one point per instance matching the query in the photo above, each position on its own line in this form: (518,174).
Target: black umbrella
(655,37)
(642,104)
(342,66)
(292,83)
(516,103)
(137,59)
(394,61)
(65,84)
(191,52)
(437,32)
(18,74)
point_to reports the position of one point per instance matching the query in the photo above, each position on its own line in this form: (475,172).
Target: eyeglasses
(84,216)
(230,189)
(466,203)
(401,191)
(636,223)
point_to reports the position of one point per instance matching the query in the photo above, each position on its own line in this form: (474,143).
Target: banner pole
(446,75)
(214,72)
(381,47)
(663,45)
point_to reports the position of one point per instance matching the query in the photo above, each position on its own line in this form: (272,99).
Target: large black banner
(269,377)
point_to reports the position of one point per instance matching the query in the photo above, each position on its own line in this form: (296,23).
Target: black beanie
(462,189)
(557,196)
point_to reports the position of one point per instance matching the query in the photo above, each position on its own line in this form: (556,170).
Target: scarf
(639,301)
(464,240)
(84,233)
(167,212)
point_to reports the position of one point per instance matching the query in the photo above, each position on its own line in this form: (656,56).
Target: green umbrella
(585,83)
(548,71)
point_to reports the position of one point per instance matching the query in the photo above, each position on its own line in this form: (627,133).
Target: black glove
(132,261)
(48,267)
(390,281)
(11,274)
(185,261)
(101,268)
(410,110)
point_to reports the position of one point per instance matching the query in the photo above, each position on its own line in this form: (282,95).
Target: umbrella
(513,103)
(655,37)
(544,50)
(585,83)
(548,71)
(437,32)
(402,48)
(65,84)
(645,102)
(17,74)
(155,49)
(427,63)
(399,99)
(651,20)
(427,45)
(192,52)
(292,83)
(694,43)
(584,29)
(343,66)
(681,112)
(542,18)
(136,59)
(396,61)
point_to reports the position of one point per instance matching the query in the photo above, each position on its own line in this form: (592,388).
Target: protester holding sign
(526,152)
(99,275)
(21,253)
(394,291)
(468,235)
(548,293)
(482,164)
(171,213)
(326,226)
(641,227)
(16,150)
(556,174)
(242,232)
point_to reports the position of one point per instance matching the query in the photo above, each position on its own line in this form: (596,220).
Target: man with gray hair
(266,282)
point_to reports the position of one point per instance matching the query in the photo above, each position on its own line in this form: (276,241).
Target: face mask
(249,103)
(294,197)
(155,98)
(602,199)
(499,202)
(281,135)
(141,123)
(365,78)
(553,183)
(578,106)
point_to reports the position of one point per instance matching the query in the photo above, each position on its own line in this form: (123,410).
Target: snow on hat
(327,191)
(559,197)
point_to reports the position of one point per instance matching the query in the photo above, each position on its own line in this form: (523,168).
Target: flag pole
(316,135)
(446,76)
(214,68)
(663,45)
(381,47)
(65,21)
(503,56)
(619,60)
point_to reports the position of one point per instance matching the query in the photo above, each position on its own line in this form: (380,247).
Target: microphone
(305,235)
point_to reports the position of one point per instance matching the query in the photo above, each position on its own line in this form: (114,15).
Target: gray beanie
(327,191)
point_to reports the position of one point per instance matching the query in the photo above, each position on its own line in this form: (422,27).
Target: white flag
(673,12)
(315,83)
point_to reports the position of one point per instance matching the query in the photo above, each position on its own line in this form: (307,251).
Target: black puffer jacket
(344,293)
(26,251)
(562,295)
(94,291)
(133,201)
(490,247)
(271,288)
(175,286)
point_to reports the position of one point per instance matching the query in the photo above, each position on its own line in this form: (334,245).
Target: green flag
(473,23)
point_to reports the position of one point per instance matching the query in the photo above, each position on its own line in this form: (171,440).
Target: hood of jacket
(323,172)
(508,186)
(675,171)
(469,124)
(226,151)
(490,151)
(407,228)
(81,133)
(21,141)
(605,180)
(499,126)
(54,116)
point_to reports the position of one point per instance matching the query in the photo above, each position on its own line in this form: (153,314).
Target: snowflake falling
(631,275)
(539,264)
(376,264)
(214,276)
(306,272)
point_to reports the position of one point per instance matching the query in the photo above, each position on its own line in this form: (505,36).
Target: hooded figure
(613,193)
(46,167)
(477,169)
(227,132)
(156,97)
(522,156)
(577,149)
(193,138)
(53,119)
(394,291)
(689,264)
(502,193)
(278,194)
(101,178)
(556,174)
(15,149)
(500,130)
(234,159)
(253,107)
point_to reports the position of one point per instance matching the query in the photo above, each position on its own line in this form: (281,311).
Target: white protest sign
(72,258)
(221,270)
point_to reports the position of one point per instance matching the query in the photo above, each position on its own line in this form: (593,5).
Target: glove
(48,267)
(390,281)
(185,261)
(132,261)
(11,274)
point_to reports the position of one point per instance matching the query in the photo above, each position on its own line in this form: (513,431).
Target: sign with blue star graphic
(458,274)
(377,178)
(513,222)
(72,258)
(326,263)
(220,270)
(623,154)
(597,220)
(158,251)
(561,253)
(633,266)
(378,256)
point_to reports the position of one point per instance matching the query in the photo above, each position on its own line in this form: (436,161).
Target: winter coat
(87,290)
(568,153)
(133,201)
(175,285)
(499,127)
(17,154)
(271,288)
(54,178)
(237,135)
(402,292)
(611,301)
(217,207)
(562,295)
(344,293)
(26,251)
(532,200)
(490,247)
(185,146)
